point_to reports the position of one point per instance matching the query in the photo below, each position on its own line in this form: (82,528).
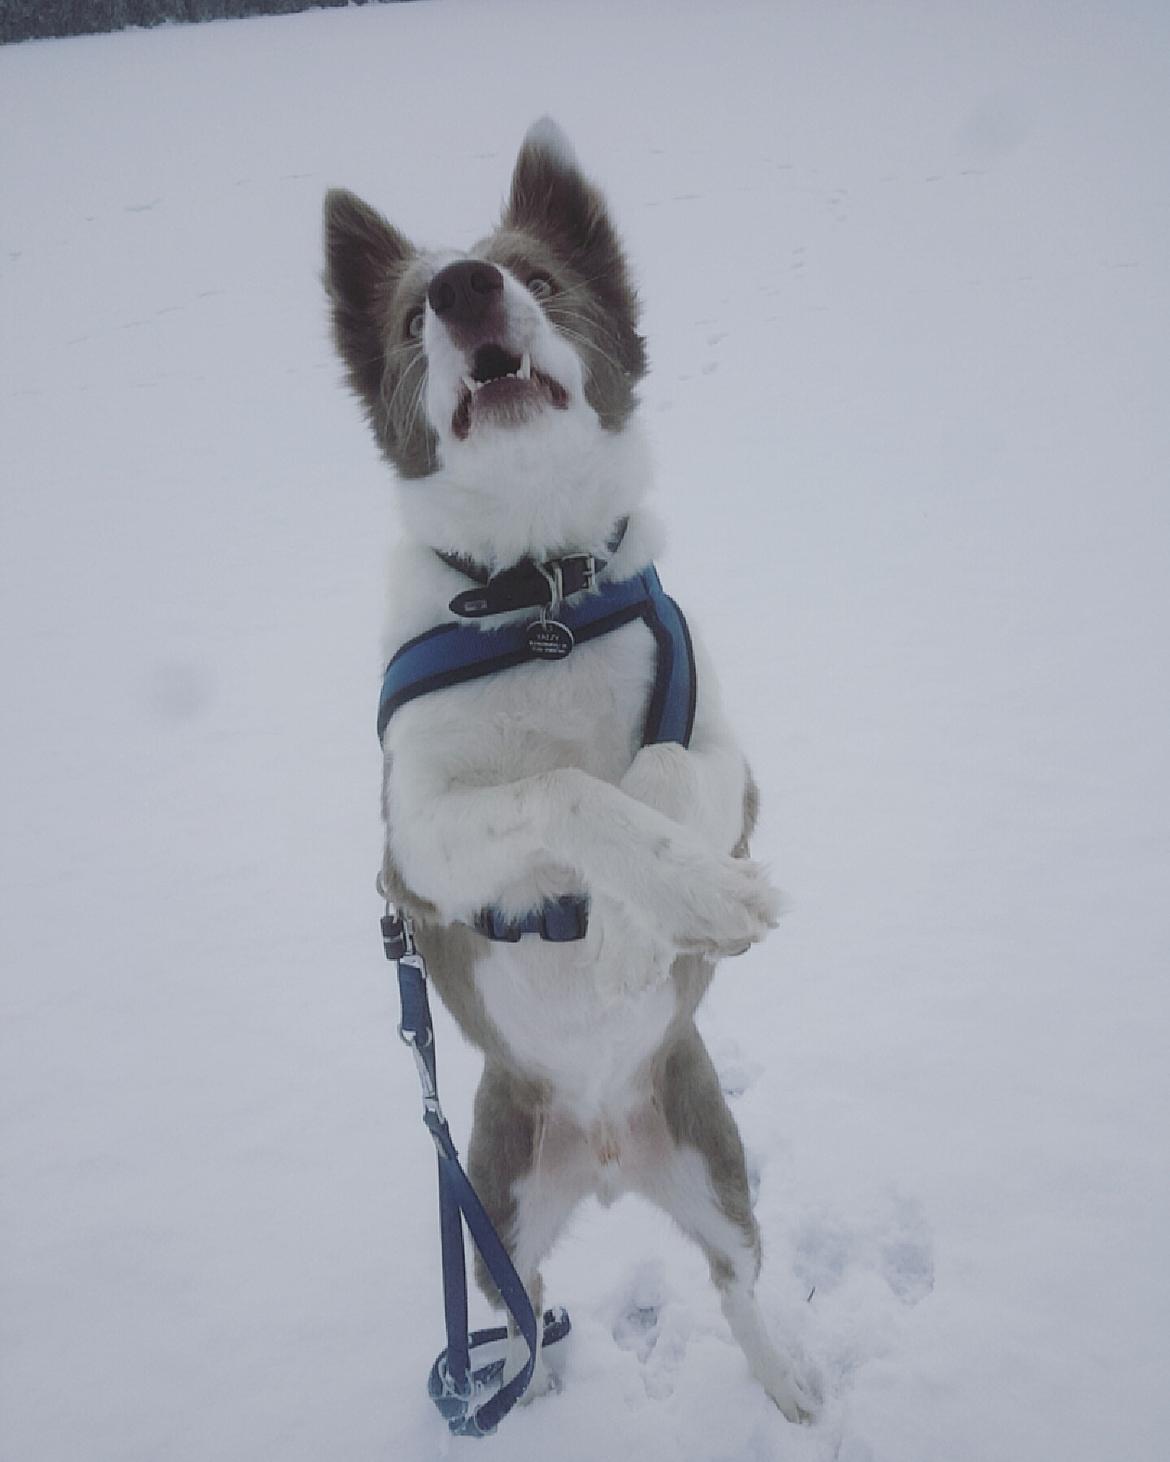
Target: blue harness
(469,1395)
(453,654)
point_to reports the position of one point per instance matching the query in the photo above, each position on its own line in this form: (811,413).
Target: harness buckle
(572,575)
(553,575)
(590,568)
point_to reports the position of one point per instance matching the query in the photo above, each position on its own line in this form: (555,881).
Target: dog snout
(464,292)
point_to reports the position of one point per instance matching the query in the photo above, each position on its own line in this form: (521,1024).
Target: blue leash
(464,1394)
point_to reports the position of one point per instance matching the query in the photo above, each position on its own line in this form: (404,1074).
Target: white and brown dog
(501,385)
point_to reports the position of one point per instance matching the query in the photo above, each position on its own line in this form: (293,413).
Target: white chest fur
(553,1004)
(586,711)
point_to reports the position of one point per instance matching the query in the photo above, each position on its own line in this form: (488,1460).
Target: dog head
(458,358)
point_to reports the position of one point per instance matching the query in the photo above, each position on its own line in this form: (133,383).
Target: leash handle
(461,1394)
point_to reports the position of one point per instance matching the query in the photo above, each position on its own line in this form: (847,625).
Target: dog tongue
(492,362)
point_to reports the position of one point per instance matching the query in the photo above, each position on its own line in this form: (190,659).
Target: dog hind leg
(530,1174)
(704,1187)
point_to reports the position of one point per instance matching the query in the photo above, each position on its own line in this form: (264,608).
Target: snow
(907,276)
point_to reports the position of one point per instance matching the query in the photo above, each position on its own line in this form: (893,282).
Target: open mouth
(504,387)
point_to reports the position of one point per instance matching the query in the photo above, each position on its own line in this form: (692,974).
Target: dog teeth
(523,374)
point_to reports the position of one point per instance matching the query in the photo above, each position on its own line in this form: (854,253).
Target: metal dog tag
(548,639)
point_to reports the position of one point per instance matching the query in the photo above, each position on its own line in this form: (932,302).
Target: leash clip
(398,941)
(432,1107)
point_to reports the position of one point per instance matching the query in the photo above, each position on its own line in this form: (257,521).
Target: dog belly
(593,1050)
(606,1157)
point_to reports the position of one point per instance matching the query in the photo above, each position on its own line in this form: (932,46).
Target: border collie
(500,383)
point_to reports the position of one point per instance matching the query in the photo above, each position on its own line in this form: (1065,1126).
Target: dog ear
(551,197)
(364,256)
(553,200)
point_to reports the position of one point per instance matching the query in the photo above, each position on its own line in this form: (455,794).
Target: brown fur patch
(376,283)
(697,1115)
(502,1150)
(556,224)
(751,814)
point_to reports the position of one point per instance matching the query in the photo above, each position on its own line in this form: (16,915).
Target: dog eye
(540,286)
(414,326)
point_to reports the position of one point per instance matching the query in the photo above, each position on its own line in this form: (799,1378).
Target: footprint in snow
(907,1253)
(895,1242)
(654,1329)
(636,1329)
(736,1071)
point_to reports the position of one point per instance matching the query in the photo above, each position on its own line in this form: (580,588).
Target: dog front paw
(734,907)
(628,958)
(718,905)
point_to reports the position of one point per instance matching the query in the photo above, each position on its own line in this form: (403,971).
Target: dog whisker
(588,343)
(403,379)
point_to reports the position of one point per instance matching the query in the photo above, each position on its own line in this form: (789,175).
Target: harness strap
(455,654)
(558,921)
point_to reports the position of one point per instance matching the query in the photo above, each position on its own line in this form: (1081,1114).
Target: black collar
(527,584)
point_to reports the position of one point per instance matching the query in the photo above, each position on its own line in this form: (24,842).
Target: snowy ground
(907,275)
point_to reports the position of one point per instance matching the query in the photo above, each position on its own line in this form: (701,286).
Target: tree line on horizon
(26,20)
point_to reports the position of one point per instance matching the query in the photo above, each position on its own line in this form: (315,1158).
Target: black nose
(464,292)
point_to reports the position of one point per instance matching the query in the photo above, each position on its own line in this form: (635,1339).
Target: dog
(501,385)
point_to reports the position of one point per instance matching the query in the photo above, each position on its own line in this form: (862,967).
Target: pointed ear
(551,197)
(552,200)
(364,256)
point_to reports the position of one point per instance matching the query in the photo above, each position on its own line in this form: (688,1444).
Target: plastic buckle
(397,939)
(492,925)
(564,920)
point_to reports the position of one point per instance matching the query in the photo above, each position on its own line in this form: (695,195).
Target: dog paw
(794,1387)
(516,1358)
(543,1383)
(794,1400)
(724,907)
(628,958)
